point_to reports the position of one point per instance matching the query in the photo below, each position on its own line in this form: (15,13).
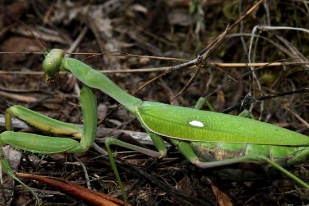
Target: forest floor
(132,42)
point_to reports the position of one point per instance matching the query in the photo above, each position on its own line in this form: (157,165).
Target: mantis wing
(196,125)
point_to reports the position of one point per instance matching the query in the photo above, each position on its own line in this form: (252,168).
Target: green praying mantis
(206,139)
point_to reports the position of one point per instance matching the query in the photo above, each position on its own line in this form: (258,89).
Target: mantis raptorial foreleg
(50,145)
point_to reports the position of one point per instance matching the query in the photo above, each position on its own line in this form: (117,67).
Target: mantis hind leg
(286,172)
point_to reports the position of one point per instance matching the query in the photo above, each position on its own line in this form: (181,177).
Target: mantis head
(52,64)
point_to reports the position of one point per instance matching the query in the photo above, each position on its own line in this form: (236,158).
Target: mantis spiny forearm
(207,139)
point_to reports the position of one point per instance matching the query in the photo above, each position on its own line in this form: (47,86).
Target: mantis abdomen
(282,155)
(251,158)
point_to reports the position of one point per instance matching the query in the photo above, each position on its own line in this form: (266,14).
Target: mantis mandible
(206,139)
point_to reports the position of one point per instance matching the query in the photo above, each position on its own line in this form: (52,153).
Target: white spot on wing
(197,123)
